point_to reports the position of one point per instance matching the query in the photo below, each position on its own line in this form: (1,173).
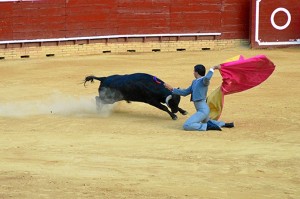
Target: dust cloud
(58,104)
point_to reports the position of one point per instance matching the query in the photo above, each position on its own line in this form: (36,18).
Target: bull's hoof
(184,113)
(174,117)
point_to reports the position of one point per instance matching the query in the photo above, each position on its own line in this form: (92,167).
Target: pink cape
(244,74)
(238,76)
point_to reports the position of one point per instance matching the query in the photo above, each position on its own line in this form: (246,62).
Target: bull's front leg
(160,106)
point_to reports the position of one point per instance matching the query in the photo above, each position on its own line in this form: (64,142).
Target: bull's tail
(91,79)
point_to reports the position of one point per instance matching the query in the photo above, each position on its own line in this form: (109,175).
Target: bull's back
(137,86)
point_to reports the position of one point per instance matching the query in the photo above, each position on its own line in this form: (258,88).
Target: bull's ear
(168,99)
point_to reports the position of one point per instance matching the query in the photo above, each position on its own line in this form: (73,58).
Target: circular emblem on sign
(288,20)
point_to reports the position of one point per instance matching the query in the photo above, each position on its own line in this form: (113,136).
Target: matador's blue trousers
(198,121)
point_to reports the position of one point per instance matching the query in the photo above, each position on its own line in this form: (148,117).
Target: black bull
(138,87)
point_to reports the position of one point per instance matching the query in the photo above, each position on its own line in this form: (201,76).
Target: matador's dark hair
(200,69)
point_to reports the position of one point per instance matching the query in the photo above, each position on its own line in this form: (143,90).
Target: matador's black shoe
(229,125)
(212,126)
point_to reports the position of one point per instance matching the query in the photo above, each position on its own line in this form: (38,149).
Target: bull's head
(173,101)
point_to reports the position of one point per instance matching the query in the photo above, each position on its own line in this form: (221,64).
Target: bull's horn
(167,99)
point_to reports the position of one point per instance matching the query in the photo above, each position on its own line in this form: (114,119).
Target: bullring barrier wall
(38,28)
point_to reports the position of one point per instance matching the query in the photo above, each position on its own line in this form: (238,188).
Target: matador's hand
(217,67)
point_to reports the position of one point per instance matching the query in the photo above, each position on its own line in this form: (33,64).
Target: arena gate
(275,23)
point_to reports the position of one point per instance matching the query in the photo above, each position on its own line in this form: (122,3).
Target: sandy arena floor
(53,144)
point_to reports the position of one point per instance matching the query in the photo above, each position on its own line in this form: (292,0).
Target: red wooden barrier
(44,19)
